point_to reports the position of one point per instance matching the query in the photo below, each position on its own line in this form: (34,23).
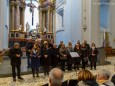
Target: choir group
(47,54)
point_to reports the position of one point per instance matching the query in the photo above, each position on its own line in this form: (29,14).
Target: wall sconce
(84,27)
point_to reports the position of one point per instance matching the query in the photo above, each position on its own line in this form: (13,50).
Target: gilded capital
(12,3)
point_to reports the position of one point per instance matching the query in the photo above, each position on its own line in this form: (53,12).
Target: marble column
(40,21)
(17,16)
(54,25)
(23,19)
(43,22)
(48,13)
(51,22)
(12,15)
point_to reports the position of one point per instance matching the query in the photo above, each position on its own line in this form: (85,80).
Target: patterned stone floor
(29,81)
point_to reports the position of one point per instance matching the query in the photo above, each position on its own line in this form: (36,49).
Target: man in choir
(63,56)
(29,46)
(15,54)
(93,56)
(56,77)
(69,58)
(84,55)
(54,56)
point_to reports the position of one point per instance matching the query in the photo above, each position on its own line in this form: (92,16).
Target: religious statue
(27,27)
(44,30)
(20,27)
(37,26)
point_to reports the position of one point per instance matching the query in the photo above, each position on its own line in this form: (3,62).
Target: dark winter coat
(15,61)
(93,58)
(35,59)
(84,54)
(54,56)
(62,53)
(79,53)
(47,51)
(70,60)
(29,46)
(87,83)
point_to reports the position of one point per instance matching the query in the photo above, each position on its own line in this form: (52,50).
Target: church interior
(55,21)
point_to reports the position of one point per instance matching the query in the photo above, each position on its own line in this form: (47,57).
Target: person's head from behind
(84,75)
(113,79)
(103,75)
(16,45)
(55,77)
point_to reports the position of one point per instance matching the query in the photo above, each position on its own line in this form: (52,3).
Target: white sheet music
(74,54)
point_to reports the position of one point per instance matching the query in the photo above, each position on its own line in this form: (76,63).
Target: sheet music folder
(74,54)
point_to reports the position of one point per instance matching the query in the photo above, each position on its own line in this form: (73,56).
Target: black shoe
(47,73)
(20,78)
(14,79)
(33,76)
(37,75)
(27,66)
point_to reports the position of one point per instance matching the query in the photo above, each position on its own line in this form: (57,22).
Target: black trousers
(69,67)
(84,64)
(46,66)
(14,71)
(93,64)
(63,61)
(28,60)
(35,70)
(76,63)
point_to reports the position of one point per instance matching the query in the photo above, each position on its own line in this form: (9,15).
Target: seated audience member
(86,78)
(113,79)
(55,77)
(103,78)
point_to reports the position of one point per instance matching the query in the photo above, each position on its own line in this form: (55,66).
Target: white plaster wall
(112,23)
(92,22)
(4,20)
(95,22)
(72,22)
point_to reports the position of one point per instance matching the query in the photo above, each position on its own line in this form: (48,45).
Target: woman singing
(35,59)
(93,56)
(77,60)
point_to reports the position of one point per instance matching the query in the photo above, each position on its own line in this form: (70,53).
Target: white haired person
(55,77)
(15,54)
(103,77)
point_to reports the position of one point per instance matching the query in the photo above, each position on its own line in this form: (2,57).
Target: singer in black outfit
(93,56)
(15,54)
